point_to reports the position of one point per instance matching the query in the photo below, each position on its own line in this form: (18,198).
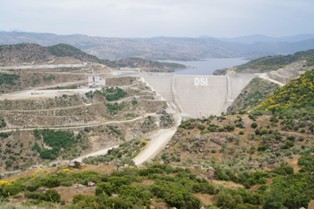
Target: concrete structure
(93,80)
(198,96)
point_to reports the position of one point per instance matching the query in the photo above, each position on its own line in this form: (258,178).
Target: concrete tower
(93,80)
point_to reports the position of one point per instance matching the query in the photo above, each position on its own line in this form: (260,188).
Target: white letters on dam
(198,96)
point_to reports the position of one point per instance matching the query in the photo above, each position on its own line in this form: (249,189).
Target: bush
(115,107)
(203,187)
(50,195)
(51,181)
(307,163)
(283,170)
(229,127)
(228,201)
(105,187)
(113,94)
(288,145)
(175,195)
(274,201)
(254,125)
(2,123)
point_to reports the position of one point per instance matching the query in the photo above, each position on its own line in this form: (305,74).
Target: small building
(93,80)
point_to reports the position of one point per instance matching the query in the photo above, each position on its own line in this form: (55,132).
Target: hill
(270,63)
(144,65)
(297,94)
(166,48)
(244,148)
(252,95)
(28,53)
(24,53)
(34,54)
(65,50)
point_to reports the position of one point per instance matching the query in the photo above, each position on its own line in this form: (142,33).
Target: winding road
(82,126)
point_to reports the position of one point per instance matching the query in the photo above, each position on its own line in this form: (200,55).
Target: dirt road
(77,127)
(158,142)
(159,139)
(266,77)
(93,154)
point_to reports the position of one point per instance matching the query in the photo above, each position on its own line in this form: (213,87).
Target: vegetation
(221,71)
(65,50)
(74,86)
(297,94)
(176,187)
(57,141)
(166,120)
(110,93)
(113,94)
(121,189)
(266,64)
(120,156)
(8,79)
(2,123)
(50,196)
(307,163)
(115,107)
(252,95)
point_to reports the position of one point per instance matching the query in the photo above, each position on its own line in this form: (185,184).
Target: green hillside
(269,63)
(65,50)
(298,93)
(253,94)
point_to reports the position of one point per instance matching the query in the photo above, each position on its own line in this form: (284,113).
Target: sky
(150,18)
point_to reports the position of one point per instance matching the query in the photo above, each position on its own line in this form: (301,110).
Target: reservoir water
(207,67)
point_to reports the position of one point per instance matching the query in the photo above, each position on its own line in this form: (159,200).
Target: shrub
(307,163)
(229,127)
(254,125)
(50,195)
(228,201)
(203,187)
(283,170)
(2,123)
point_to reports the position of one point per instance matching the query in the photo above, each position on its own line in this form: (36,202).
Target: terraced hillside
(124,110)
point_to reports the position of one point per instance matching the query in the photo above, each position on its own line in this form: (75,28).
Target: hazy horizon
(155,18)
(159,36)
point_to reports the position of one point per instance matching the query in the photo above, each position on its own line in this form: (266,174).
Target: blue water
(207,67)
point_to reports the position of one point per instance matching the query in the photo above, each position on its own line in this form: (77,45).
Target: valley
(77,131)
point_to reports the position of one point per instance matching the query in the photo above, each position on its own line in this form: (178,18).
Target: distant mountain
(268,39)
(168,48)
(28,53)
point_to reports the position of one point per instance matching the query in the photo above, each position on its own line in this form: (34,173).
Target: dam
(198,95)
